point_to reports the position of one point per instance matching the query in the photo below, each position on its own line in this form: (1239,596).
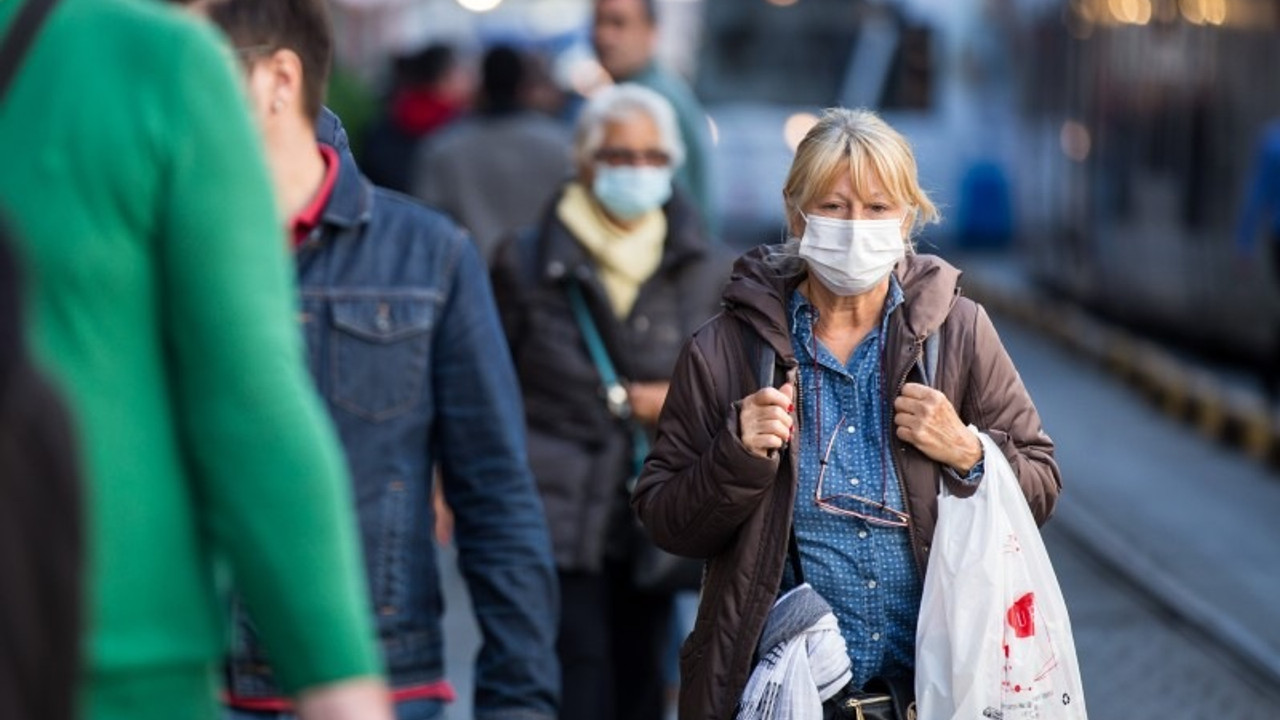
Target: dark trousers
(612,644)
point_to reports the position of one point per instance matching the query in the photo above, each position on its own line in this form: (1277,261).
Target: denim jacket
(405,346)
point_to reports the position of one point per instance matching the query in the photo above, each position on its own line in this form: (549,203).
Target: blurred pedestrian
(430,89)
(619,255)
(41,529)
(848,451)
(541,93)
(161,309)
(494,171)
(406,347)
(625,36)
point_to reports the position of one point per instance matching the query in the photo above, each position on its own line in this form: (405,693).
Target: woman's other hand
(925,418)
(444,513)
(352,699)
(646,400)
(765,421)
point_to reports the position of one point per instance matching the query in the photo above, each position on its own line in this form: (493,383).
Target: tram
(1124,133)
(1161,116)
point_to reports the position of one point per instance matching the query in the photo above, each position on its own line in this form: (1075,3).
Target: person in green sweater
(161,305)
(407,349)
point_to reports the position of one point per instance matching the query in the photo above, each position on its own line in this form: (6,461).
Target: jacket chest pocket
(380,353)
(655,333)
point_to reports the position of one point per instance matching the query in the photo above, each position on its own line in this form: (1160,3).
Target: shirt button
(863,534)
(872,584)
(851,430)
(853,481)
(875,636)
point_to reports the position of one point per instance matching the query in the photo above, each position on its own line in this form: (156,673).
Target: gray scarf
(803,660)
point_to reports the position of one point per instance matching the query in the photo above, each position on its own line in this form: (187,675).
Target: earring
(277,105)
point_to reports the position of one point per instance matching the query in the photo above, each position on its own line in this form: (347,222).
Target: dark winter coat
(580,454)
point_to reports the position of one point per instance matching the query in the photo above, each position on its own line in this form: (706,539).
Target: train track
(1175,648)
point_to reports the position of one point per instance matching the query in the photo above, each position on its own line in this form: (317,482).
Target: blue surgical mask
(628,192)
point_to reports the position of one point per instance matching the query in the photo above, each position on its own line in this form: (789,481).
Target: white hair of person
(622,102)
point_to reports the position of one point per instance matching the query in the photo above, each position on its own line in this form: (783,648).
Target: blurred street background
(1107,177)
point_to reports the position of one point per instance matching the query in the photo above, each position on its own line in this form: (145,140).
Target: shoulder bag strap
(615,395)
(19,38)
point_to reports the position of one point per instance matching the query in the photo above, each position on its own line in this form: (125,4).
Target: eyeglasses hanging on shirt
(851,505)
(844,503)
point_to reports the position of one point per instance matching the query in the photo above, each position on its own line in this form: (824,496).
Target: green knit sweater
(161,301)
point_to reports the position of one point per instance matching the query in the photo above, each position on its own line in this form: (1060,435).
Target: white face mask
(851,256)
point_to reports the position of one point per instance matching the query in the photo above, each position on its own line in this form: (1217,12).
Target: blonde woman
(845,454)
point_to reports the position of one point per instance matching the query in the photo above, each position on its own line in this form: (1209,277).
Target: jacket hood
(757,294)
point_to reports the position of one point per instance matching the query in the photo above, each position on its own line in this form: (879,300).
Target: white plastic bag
(994,639)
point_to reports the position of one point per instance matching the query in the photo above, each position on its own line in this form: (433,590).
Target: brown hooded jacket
(704,495)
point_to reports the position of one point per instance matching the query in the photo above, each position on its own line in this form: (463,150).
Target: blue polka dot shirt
(866,571)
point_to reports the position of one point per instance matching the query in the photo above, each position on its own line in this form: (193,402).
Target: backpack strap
(19,38)
(764,359)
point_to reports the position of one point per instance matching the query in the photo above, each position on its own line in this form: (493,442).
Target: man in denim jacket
(405,346)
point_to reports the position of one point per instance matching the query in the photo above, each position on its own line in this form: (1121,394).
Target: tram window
(1044,73)
(816,53)
(757,52)
(910,85)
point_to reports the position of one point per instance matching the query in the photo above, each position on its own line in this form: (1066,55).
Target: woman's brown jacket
(702,494)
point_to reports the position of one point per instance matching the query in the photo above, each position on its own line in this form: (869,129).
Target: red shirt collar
(309,216)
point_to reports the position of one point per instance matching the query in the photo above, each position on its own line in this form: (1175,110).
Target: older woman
(846,455)
(620,256)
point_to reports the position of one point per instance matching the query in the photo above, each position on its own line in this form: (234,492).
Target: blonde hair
(862,144)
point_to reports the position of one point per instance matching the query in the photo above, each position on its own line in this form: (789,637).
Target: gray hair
(650,8)
(619,103)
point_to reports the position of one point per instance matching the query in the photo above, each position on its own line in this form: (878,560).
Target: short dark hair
(502,75)
(650,8)
(262,27)
(425,66)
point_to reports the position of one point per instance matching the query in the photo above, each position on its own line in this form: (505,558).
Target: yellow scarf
(625,258)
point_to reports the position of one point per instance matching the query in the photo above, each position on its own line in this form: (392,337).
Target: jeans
(410,710)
